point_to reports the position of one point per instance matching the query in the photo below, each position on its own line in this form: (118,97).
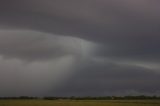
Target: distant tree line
(141,97)
(21,97)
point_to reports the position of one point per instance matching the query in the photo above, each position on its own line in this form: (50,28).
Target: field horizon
(79,102)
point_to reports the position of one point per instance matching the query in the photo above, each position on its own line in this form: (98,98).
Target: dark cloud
(144,48)
(92,19)
(105,79)
(110,45)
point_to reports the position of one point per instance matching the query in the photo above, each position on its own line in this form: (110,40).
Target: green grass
(79,103)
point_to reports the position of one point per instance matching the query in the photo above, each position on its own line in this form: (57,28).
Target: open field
(79,103)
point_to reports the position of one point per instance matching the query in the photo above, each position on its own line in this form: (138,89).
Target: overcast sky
(79,47)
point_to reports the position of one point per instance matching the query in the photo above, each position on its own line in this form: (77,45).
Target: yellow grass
(79,103)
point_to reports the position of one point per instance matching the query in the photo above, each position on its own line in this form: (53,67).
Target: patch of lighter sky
(32,77)
(155,67)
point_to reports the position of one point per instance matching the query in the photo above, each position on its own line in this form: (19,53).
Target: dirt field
(79,103)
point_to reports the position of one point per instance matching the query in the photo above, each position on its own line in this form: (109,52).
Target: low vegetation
(81,101)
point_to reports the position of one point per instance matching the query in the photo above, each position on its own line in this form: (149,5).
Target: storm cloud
(79,47)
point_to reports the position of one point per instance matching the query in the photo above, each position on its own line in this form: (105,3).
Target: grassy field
(79,103)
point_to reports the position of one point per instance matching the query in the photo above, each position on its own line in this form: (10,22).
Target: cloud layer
(79,47)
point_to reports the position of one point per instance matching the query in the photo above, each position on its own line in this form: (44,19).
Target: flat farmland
(79,103)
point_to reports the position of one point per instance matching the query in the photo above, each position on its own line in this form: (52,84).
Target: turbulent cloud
(33,62)
(49,45)
(32,45)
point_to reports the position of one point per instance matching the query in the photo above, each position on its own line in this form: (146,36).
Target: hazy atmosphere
(79,47)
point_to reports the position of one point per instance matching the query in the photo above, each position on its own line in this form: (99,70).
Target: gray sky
(79,47)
